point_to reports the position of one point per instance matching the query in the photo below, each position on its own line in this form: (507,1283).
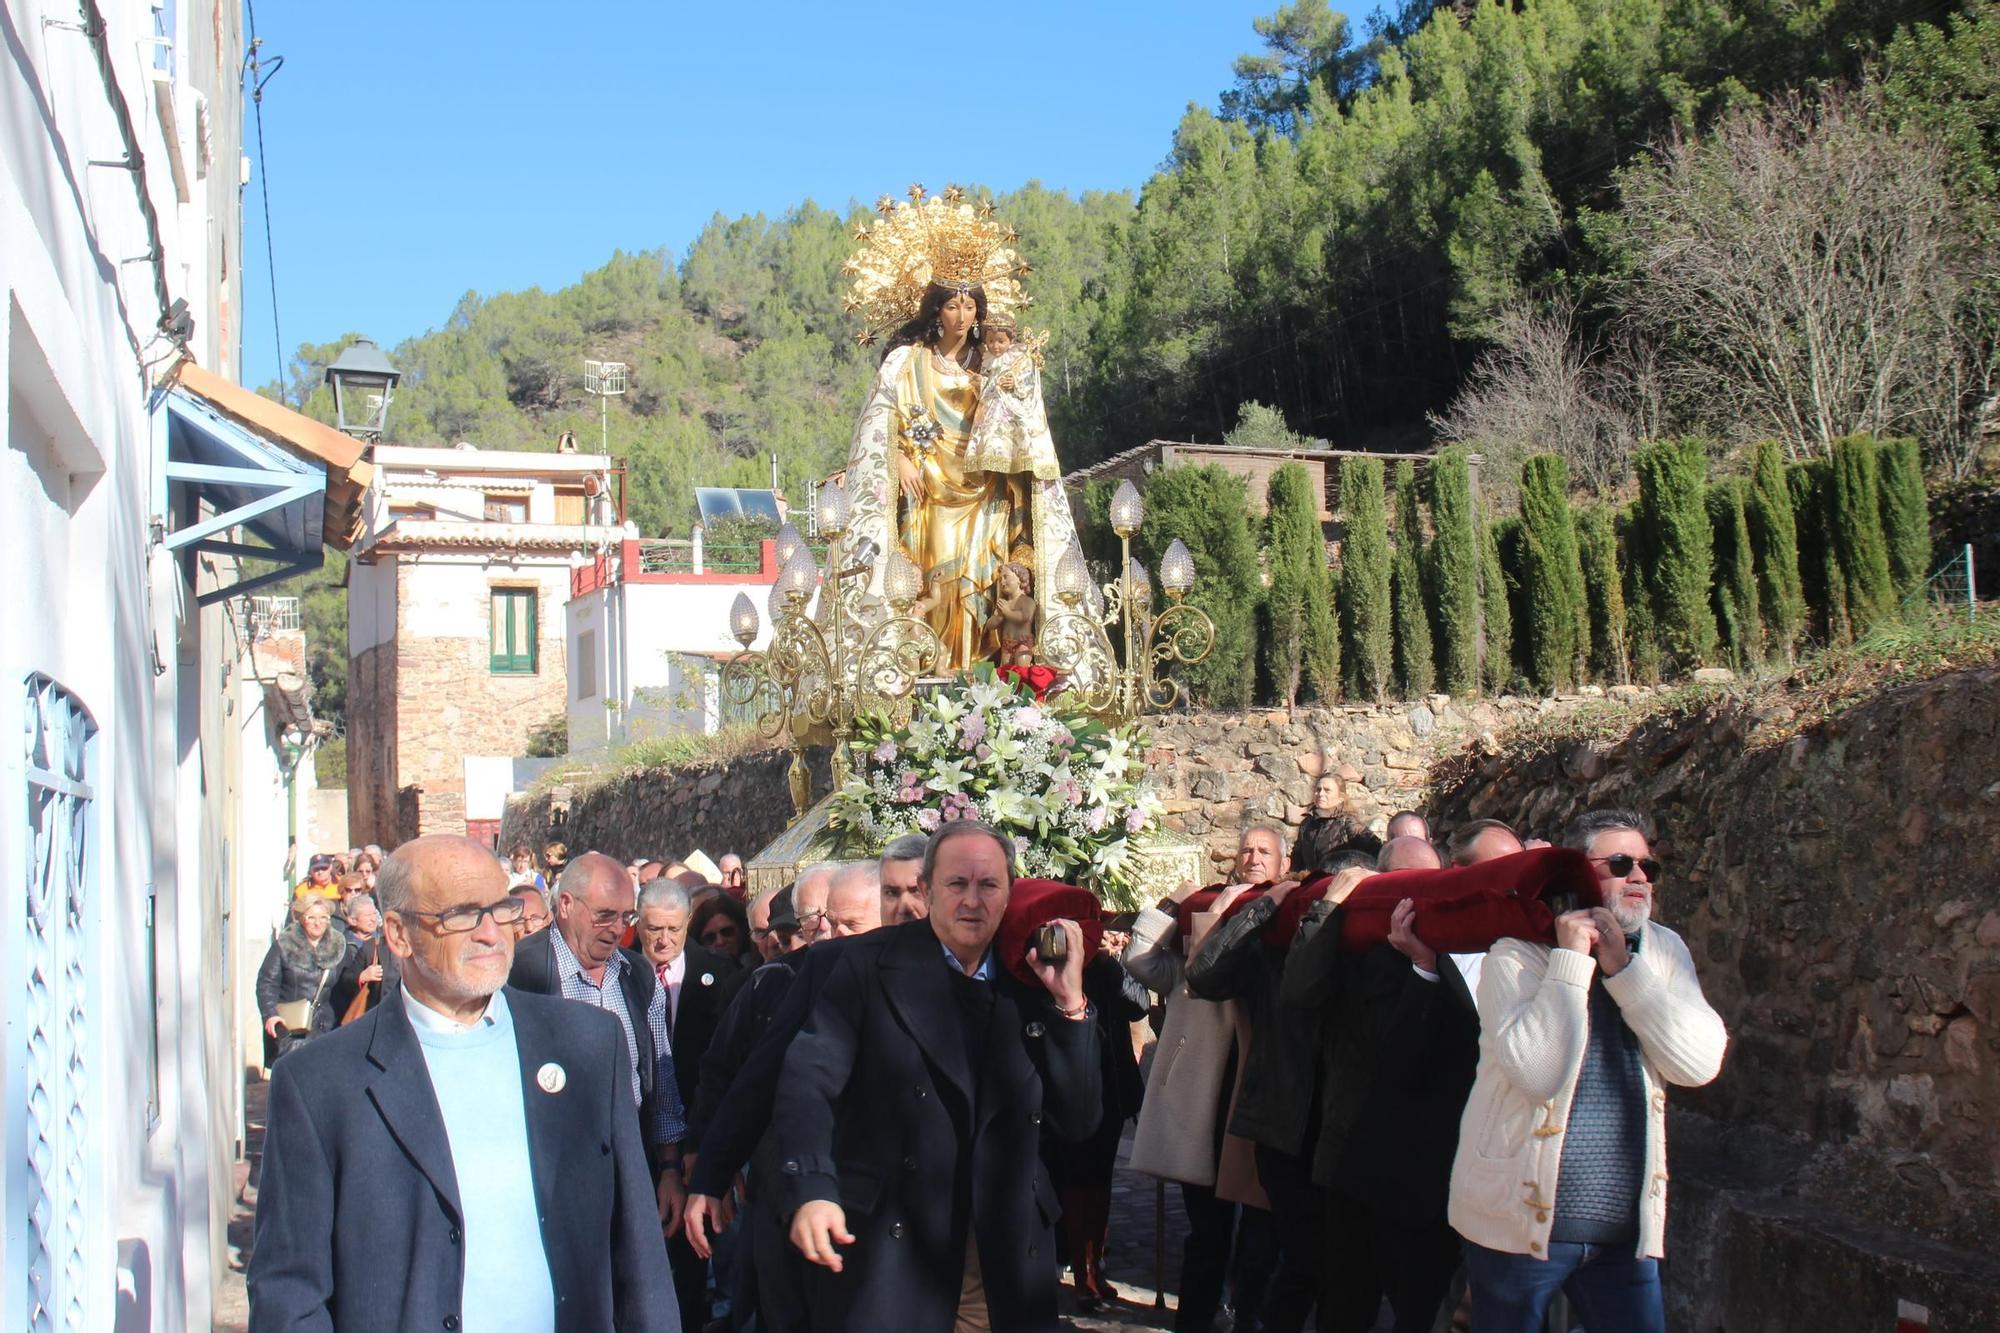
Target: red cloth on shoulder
(1034,903)
(1460,909)
(1464,909)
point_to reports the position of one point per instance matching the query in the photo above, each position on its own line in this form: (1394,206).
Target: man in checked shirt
(579,959)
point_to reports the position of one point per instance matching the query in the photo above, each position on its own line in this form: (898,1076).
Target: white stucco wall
(78,319)
(654,650)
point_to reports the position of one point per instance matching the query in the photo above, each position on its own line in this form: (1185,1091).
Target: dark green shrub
(1366,640)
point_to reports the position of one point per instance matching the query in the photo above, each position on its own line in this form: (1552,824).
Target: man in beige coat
(1192,1083)
(1560,1182)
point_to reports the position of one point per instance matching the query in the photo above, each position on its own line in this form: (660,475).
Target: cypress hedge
(1642,641)
(1454,570)
(1496,642)
(1366,637)
(1512,544)
(1557,629)
(1298,576)
(1407,594)
(1820,576)
(1857,531)
(1604,591)
(1209,509)
(1735,591)
(1906,516)
(1672,479)
(1774,543)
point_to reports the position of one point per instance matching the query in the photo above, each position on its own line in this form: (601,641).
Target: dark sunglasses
(1620,865)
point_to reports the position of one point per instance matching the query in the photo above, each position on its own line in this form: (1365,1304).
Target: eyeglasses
(609,918)
(1620,865)
(460,920)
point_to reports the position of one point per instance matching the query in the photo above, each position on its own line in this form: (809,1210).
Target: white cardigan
(1534,1021)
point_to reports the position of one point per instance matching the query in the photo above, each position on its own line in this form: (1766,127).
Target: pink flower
(1027,719)
(1062,736)
(973,727)
(1095,818)
(983,751)
(885,753)
(1135,819)
(928,820)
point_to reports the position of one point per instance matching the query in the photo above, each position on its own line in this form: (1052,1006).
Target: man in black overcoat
(396,1174)
(913,1104)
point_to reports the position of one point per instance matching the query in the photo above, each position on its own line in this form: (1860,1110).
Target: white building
(454,626)
(129,488)
(647,628)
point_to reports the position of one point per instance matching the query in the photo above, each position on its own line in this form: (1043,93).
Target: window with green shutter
(514,631)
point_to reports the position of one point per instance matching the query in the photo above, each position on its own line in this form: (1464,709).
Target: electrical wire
(258,78)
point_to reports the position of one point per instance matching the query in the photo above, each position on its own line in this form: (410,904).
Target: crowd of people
(892,1093)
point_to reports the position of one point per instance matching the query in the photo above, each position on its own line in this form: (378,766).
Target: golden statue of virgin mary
(929,277)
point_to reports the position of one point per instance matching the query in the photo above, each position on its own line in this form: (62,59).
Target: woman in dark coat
(1330,827)
(1082,1171)
(303,964)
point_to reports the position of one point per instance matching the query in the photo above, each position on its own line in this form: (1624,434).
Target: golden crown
(930,239)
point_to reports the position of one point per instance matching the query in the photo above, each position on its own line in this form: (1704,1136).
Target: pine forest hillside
(1450,222)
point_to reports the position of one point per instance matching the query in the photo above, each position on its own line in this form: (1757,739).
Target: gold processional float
(859,641)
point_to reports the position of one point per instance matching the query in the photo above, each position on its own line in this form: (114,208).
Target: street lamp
(1078,635)
(363,381)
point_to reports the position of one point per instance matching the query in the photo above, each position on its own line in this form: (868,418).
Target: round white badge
(708,978)
(551,1077)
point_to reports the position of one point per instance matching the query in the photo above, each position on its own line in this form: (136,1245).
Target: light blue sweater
(476,1072)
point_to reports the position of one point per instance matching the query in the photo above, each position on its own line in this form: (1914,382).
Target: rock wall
(1839,884)
(737,805)
(1218,771)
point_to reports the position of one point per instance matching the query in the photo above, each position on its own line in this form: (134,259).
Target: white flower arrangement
(1067,788)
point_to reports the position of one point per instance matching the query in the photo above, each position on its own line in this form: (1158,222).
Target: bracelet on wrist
(1082,1008)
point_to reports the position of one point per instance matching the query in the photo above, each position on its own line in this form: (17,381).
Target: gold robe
(966,524)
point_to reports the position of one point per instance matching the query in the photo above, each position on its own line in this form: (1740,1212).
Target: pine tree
(1735,591)
(1364,579)
(1857,531)
(1298,590)
(1675,518)
(1906,515)
(1406,590)
(1604,590)
(1496,649)
(1454,570)
(1554,579)
(1774,542)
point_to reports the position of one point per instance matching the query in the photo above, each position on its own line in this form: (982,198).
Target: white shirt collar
(678,969)
(426,1019)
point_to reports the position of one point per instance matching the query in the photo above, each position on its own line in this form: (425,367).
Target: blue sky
(418,150)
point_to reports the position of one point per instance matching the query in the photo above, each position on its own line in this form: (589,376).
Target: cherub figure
(1013,618)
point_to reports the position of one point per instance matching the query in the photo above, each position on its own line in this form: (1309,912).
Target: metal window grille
(60,735)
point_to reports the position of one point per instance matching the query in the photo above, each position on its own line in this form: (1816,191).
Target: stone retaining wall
(1218,771)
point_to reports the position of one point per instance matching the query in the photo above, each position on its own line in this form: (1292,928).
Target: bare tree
(1807,275)
(1540,389)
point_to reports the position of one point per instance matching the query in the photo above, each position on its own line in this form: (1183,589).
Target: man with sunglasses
(579,959)
(1560,1182)
(409,1154)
